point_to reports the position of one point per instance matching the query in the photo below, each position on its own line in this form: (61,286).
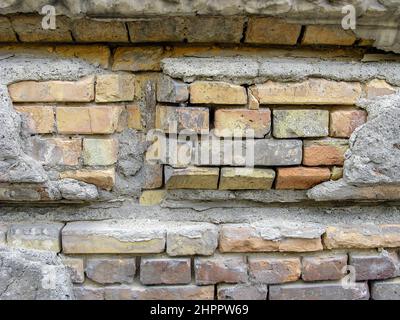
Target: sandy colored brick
(109,270)
(165,271)
(295,123)
(75,267)
(378,88)
(6,31)
(274,269)
(344,122)
(246,178)
(39,118)
(301,178)
(134,117)
(104,179)
(328,35)
(94,54)
(311,91)
(57,151)
(191,178)
(151,197)
(252,102)
(100,152)
(271,31)
(216,92)
(191,118)
(88,120)
(138,59)
(86,30)
(53,91)
(362,236)
(29,29)
(325,266)
(324,152)
(115,87)
(157,30)
(242,123)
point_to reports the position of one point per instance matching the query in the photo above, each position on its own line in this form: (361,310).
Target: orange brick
(324,152)
(344,122)
(40,119)
(328,35)
(104,179)
(134,117)
(301,178)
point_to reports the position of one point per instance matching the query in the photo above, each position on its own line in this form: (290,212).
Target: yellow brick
(53,91)
(134,117)
(40,119)
(94,54)
(104,179)
(151,197)
(100,152)
(328,35)
(6,32)
(246,178)
(217,93)
(191,178)
(115,87)
(138,59)
(86,30)
(377,88)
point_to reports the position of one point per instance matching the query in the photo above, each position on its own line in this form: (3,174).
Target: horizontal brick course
(217,93)
(246,178)
(191,178)
(328,35)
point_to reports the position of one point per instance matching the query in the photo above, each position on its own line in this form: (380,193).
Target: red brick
(301,178)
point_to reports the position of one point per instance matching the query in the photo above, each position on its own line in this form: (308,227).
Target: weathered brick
(242,292)
(248,238)
(295,123)
(220,269)
(336,173)
(191,118)
(134,117)
(216,92)
(100,152)
(328,35)
(191,178)
(53,91)
(152,175)
(39,118)
(39,236)
(242,122)
(137,292)
(274,269)
(165,271)
(115,87)
(110,270)
(386,289)
(75,268)
(324,152)
(88,292)
(87,120)
(86,30)
(325,266)
(300,178)
(344,122)
(104,179)
(151,197)
(113,237)
(6,31)
(378,88)
(29,29)
(271,31)
(374,265)
(137,59)
(94,54)
(364,236)
(192,239)
(252,102)
(171,90)
(246,178)
(319,291)
(312,91)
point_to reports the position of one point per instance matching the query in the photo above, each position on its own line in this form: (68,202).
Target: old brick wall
(83,173)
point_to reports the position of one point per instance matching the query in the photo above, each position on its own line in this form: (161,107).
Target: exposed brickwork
(301,177)
(344,122)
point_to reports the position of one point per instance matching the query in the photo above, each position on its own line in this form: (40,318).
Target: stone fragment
(170,90)
(301,178)
(246,178)
(134,120)
(242,123)
(113,237)
(111,270)
(53,91)
(378,88)
(75,268)
(241,292)
(104,179)
(328,35)
(115,87)
(220,269)
(319,291)
(311,91)
(325,266)
(88,292)
(374,265)
(324,152)
(165,271)
(100,152)
(88,30)
(151,197)
(39,236)
(336,173)
(344,122)
(386,289)
(271,31)
(137,59)
(3,233)
(71,189)
(39,119)
(216,92)
(192,239)
(274,269)
(296,123)
(191,178)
